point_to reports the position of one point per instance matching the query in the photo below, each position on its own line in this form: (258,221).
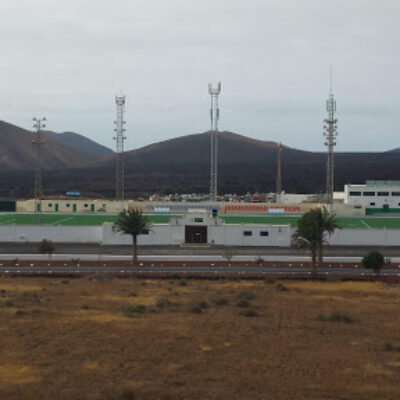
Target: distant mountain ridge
(60,151)
(80,143)
(182,165)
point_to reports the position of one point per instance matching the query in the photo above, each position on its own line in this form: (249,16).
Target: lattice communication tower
(38,124)
(330,133)
(119,154)
(214,114)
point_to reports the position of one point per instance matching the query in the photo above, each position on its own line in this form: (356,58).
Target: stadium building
(375,196)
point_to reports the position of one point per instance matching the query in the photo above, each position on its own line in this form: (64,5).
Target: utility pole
(38,124)
(330,132)
(278,175)
(214,114)
(119,154)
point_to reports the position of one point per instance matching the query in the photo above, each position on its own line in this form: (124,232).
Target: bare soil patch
(174,339)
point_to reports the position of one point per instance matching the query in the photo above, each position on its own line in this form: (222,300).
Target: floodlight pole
(119,154)
(214,115)
(38,124)
(279,175)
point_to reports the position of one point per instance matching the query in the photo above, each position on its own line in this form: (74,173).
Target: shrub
(65,282)
(243,303)
(259,260)
(127,394)
(203,304)
(221,302)
(336,317)
(195,310)
(246,296)
(390,347)
(269,280)
(9,304)
(46,246)
(20,313)
(85,307)
(161,303)
(138,309)
(183,283)
(132,294)
(373,260)
(228,253)
(250,313)
(281,288)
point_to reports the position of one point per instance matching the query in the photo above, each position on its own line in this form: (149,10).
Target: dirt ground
(127,339)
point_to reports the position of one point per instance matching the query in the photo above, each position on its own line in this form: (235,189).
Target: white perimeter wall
(365,237)
(231,235)
(66,234)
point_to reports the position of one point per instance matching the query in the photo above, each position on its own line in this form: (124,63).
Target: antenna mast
(214,114)
(330,132)
(38,124)
(119,154)
(278,175)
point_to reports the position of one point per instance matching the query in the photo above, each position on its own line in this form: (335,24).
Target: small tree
(374,260)
(134,223)
(46,246)
(311,232)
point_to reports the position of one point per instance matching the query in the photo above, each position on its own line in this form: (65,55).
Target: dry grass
(77,341)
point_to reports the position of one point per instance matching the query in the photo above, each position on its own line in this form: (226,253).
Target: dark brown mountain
(182,165)
(80,143)
(18,153)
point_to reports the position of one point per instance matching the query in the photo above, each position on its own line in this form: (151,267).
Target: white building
(375,196)
(191,228)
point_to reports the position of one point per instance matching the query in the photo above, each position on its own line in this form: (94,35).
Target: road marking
(61,220)
(363,222)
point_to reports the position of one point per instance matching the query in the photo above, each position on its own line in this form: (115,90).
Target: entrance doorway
(195,234)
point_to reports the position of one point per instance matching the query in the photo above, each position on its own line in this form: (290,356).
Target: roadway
(194,270)
(181,258)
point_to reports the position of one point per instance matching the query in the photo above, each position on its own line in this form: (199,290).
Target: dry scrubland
(160,339)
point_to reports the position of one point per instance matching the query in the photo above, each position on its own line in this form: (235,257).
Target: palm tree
(311,232)
(134,223)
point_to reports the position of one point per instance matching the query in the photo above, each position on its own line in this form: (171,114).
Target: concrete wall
(233,235)
(230,235)
(365,237)
(66,234)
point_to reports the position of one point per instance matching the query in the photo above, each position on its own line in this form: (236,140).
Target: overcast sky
(66,59)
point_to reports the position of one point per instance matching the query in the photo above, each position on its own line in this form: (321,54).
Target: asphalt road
(180,257)
(87,248)
(189,270)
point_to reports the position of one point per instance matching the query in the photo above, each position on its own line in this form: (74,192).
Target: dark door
(386,208)
(195,234)
(7,205)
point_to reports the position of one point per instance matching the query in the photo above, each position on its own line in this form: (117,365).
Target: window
(264,233)
(371,204)
(67,204)
(247,233)
(50,205)
(383,193)
(355,193)
(198,220)
(369,193)
(395,193)
(86,205)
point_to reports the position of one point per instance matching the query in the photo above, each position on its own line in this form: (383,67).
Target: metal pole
(38,124)
(214,115)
